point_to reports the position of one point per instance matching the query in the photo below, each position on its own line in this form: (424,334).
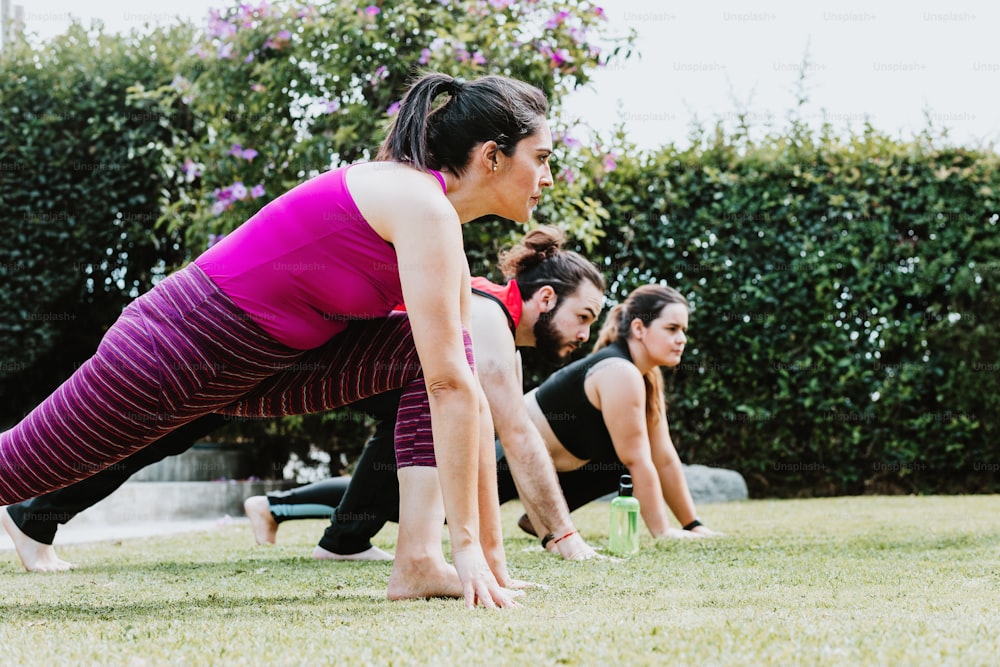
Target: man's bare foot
(35,556)
(265,528)
(372,553)
(427,578)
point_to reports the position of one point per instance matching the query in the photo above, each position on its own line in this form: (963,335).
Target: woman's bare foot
(265,528)
(35,556)
(372,553)
(427,578)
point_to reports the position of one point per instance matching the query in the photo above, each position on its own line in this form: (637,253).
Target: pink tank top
(307,264)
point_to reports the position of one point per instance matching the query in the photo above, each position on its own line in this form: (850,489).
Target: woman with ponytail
(339,249)
(604,415)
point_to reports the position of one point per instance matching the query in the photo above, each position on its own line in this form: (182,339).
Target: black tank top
(574,419)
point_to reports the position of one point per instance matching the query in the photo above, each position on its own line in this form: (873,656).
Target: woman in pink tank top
(347,245)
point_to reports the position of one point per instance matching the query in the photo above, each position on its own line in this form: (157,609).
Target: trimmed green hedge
(81,188)
(842,293)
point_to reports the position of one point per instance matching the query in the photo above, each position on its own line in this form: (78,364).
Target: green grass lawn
(845,581)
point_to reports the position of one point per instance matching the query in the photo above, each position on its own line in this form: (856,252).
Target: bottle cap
(625,486)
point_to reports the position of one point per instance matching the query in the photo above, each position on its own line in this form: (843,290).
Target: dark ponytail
(539,260)
(492,108)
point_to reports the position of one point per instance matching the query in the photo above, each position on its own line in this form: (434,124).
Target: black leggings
(358,510)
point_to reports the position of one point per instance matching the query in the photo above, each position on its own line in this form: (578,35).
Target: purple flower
(500,4)
(393,109)
(225,51)
(249,58)
(330,106)
(609,162)
(218,207)
(279,41)
(556,20)
(478,58)
(425,56)
(247,154)
(372,11)
(190,169)
(571,142)
(239,190)
(257,191)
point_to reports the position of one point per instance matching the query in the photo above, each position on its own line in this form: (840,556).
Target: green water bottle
(624,536)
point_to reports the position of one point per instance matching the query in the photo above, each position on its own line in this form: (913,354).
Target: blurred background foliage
(842,287)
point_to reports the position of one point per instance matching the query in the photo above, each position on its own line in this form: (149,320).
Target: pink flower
(225,51)
(425,56)
(372,11)
(393,109)
(218,207)
(478,58)
(501,4)
(257,191)
(258,87)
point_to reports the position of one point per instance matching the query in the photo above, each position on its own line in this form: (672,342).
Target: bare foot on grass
(427,578)
(372,553)
(265,528)
(35,556)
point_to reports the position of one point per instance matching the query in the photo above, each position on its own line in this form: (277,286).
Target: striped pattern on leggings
(180,351)
(185,349)
(367,359)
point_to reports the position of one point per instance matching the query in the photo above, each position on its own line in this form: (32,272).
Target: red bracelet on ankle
(560,539)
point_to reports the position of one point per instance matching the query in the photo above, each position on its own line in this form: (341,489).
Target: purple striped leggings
(184,350)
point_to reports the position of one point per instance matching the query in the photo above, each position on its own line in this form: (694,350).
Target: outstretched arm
(531,466)
(434,275)
(668,466)
(622,396)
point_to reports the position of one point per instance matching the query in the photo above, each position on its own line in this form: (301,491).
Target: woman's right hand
(479,586)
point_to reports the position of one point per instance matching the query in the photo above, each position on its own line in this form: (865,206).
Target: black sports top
(574,419)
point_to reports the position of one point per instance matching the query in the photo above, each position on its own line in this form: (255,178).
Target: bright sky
(893,63)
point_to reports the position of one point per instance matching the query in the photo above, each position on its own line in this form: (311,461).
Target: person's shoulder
(614,371)
(393,196)
(398,177)
(490,322)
